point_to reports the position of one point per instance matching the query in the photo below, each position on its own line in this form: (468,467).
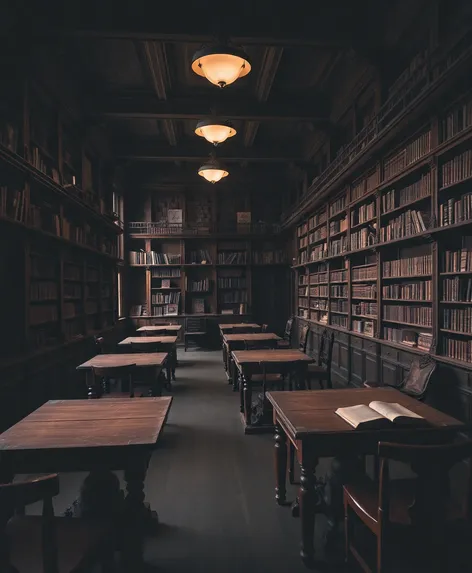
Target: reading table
(169,343)
(238,342)
(307,419)
(98,436)
(175,328)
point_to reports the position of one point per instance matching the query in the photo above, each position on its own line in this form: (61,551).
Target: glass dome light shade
(214,131)
(221,65)
(213,171)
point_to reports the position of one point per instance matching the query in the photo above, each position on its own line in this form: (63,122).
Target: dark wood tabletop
(224,327)
(152,359)
(307,421)
(242,357)
(250,336)
(148,340)
(70,424)
(160,328)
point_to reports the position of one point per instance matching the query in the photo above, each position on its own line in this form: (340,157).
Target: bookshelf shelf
(414,325)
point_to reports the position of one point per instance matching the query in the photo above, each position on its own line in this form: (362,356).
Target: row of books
(338,276)
(303,291)
(303,303)
(456,120)
(39,314)
(338,246)
(319,278)
(139,310)
(412,152)
(460,260)
(395,198)
(317,219)
(319,316)
(153,258)
(43,290)
(365,327)
(338,226)
(319,291)
(419,315)
(364,237)
(302,230)
(365,308)
(337,205)
(200,257)
(236,258)
(364,273)
(339,291)
(339,320)
(458,319)
(420,290)
(165,283)
(72,290)
(303,242)
(303,257)
(165,310)
(235,296)
(167,298)
(302,280)
(319,304)
(408,223)
(455,210)
(276,257)
(422,340)
(363,214)
(457,169)
(340,306)
(303,313)
(457,289)
(457,349)
(420,265)
(165,273)
(318,235)
(318,252)
(364,290)
(232,282)
(202,285)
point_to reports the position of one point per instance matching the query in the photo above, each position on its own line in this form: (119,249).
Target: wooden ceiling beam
(199,108)
(153,58)
(157,152)
(268,71)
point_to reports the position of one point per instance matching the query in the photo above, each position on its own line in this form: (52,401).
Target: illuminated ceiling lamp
(220,64)
(215,130)
(213,171)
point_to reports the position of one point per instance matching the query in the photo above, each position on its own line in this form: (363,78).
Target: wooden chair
(417,380)
(303,338)
(286,341)
(99,344)
(321,372)
(194,328)
(422,504)
(45,543)
(265,328)
(122,373)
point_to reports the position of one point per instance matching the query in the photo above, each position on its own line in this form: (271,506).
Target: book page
(357,415)
(392,411)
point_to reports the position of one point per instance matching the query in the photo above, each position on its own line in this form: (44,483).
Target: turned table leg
(307,501)
(280,465)
(247,390)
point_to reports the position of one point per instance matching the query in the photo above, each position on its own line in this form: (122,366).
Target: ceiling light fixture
(215,130)
(213,171)
(221,65)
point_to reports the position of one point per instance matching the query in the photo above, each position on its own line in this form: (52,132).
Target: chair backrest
(13,498)
(431,465)
(194,324)
(303,339)
(419,376)
(326,349)
(260,344)
(265,328)
(288,330)
(99,344)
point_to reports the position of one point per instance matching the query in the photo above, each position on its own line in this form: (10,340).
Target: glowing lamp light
(213,171)
(221,65)
(214,130)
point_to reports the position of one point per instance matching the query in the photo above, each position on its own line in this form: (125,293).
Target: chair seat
(364,496)
(313,370)
(283,343)
(269,378)
(79,542)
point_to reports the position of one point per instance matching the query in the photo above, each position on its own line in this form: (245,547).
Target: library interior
(236,266)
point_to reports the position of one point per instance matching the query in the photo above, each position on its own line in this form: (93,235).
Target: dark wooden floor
(212,486)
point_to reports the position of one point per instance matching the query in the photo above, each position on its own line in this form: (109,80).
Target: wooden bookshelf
(389,242)
(64,236)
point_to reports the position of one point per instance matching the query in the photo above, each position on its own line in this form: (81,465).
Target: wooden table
(240,326)
(161,328)
(170,342)
(238,342)
(97,436)
(153,361)
(246,360)
(307,419)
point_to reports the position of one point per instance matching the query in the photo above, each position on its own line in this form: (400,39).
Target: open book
(379,415)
